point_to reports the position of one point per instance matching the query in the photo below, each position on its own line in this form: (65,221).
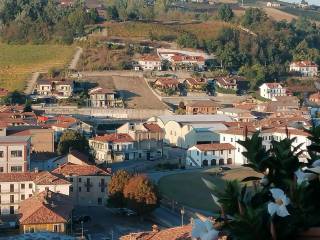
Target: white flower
(304,177)
(204,230)
(279,204)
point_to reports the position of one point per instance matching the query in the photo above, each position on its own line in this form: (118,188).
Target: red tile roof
(176,233)
(203,103)
(167,82)
(195,81)
(152,127)
(46,207)
(114,137)
(292,131)
(214,146)
(69,169)
(273,85)
(100,90)
(305,64)
(150,58)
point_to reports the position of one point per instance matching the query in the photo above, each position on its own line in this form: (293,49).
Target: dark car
(224,168)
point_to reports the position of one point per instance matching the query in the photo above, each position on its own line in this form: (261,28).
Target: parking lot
(105,224)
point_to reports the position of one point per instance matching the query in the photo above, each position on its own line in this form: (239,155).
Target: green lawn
(18,62)
(189,189)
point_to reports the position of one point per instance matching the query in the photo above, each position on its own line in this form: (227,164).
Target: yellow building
(46,211)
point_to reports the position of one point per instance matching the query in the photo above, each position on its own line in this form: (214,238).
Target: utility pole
(182,213)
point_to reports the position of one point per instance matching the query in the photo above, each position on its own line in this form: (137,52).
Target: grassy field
(311,14)
(278,14)
(143,30)
(17,62)
(189,189)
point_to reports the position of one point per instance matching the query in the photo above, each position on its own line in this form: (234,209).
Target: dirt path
(75,59)
(32,83)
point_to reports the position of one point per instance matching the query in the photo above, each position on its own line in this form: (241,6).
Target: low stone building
(202,107)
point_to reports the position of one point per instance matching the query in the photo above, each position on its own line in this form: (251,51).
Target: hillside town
(196,125)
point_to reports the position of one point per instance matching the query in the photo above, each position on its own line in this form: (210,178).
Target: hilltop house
(271,90)
(305,68)
(149,62)
(53,88)
(167,83)
(227,82)
(195,84)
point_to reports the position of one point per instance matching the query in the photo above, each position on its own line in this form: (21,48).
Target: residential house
(89,183)
(305,68)
(150,62)
(15,154)
(16,187)
(147,137)
(202,107)
(271,90)
(195,84)
(273,4)
(116,147)
(46,211)
(102,97)
(182,59)
(226,82)
(185,131)
(54,88)
(167,83)
(315,98)
(203,155)
(15,116)
(237,114)
(279,104)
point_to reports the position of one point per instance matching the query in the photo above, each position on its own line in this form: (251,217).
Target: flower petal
(282,211)
(272,208)
(208,225)
(277,193)
(216,200)
(315,170)
(285,200)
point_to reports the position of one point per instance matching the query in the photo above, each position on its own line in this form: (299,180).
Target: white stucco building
(203,155)
(305,68)
(16,187)
(271,90)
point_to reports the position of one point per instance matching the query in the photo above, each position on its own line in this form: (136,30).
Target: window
(71,179)
(221,151)
(88,189)
(198,153)
(16,169)
(1,169)
(79,180)
(79,189)
(231,139)
(16,153)
(11,209)
(30,185)
(56,228)
(71,189)
(30,195)
(99,201)
(205,153)
(23,197)
(229,151)
(1,154)
(23,186)
(11,187)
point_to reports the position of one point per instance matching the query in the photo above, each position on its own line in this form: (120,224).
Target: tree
(141,195)
(73,140)
(225,12)
(187,40)
(115,188)
(14,98)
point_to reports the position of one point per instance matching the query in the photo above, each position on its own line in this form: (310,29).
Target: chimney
(155,228)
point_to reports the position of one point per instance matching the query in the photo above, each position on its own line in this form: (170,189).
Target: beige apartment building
(14,153)
(89,183)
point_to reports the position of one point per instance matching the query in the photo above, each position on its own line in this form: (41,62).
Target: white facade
(202,158)
(305,68)
(14,154)
(13,191)
(271,90)
(149,65)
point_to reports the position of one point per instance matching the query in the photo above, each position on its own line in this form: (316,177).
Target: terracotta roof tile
(214,146)
(69,169)
(152,127)
(114,137)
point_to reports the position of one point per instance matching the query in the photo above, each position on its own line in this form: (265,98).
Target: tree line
(39,21)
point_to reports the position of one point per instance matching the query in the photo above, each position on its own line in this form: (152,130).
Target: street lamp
(182,213)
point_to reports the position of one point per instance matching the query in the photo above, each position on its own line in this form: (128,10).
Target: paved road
(75,59)
(112,73)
